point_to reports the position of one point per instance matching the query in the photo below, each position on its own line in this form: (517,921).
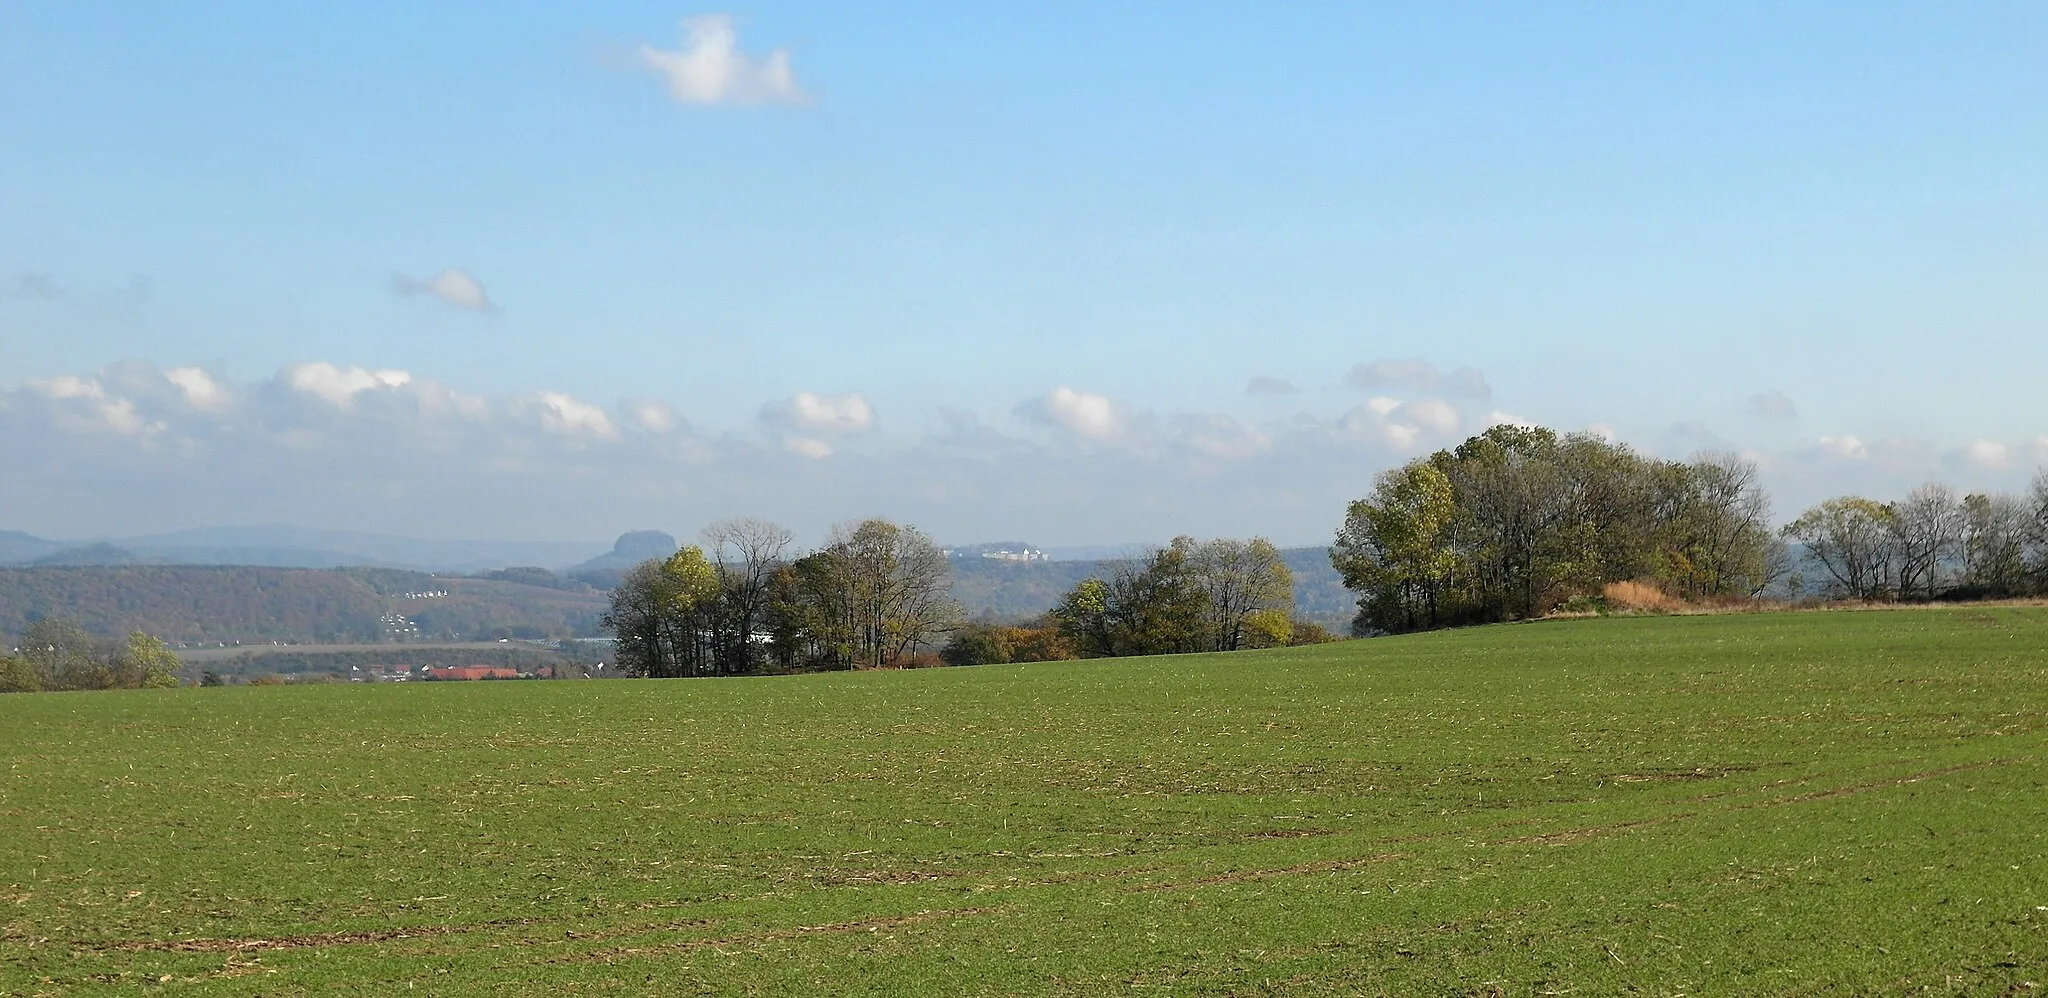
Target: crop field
(1841,803)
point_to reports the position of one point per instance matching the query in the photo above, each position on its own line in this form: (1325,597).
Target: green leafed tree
(1395,551)
(1516,520)
(1852,540)
(148,663)
(17,675)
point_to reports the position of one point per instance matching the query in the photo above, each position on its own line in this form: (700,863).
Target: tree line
(876,595)
(1932,544)
(1517,520)
(60,655)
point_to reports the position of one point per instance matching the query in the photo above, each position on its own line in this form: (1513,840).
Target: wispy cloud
(1419,376)
(453,285)
(711,69)
(1773,405)
(36,285)
(1265,385)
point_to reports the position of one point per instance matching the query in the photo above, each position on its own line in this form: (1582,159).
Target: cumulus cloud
(85,404)
(198,387)
(810,447)
(1419,376)
(1263,385)
(653,416)
(1773,405)
(711,69)
(811,412)
(339,386)
(397,451)
(1987,454)
(1845,446)
(1433,415)
(1085,415)
(568,416)
(453,285)
(1391,424)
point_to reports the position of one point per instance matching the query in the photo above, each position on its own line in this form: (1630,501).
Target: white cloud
(340,385)
(125,448)
(1420,376)
(710,68)
(1094,417)
(199,388)
(1773,405)
(1987,454)
(1264,385)
(453,285)
(807,447)
(824,414)
(1844,446)
(565,415)
(653,416)
(1400,426)
(1601,430)
(1433,415)
(86,397)
(1499,418)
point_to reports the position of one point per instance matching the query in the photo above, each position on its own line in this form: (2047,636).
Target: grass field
(1797,804)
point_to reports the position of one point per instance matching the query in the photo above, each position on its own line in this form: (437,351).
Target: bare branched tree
(747,553)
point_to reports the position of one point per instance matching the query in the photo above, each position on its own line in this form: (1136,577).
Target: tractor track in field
(259,944)
(878,924)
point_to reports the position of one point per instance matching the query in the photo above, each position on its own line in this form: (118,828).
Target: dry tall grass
(1639,597)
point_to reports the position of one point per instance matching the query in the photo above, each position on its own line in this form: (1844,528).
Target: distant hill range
(256,585)
(279,546)
(250,604)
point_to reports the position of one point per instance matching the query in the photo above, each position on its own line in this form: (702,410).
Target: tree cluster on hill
(59,655)
(1517,520)
(1933,544)
(1190,596)
(874,596)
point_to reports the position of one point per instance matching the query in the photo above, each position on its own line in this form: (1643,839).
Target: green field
(1812,803)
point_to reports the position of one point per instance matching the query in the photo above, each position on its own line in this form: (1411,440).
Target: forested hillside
(228,604)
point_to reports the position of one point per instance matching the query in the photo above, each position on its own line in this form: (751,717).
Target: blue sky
(1004,274)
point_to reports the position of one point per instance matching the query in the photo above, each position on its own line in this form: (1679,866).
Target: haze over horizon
(1073,275)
